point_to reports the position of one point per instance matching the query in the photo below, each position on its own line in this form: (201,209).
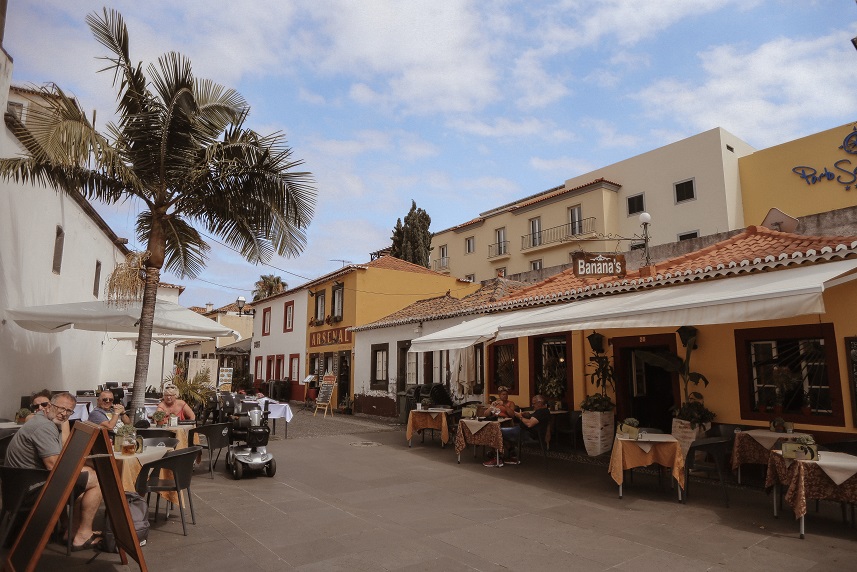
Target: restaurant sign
(330,337)
(587,265)
(844,172)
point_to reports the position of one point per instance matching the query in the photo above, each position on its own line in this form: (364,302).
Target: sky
(461,106)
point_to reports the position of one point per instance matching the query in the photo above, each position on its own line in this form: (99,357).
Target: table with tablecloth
(753,446)
(129,465)
(652,448)
(81,411)
(419,420)
(832,477)
(277,410)
(477,432)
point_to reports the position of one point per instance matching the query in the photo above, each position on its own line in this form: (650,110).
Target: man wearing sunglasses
(37,445)
(107,413)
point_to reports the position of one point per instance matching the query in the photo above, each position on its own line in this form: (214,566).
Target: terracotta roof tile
(756,249)
(391,263)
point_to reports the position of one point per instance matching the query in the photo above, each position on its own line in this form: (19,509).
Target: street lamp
(241,302)
(645,219)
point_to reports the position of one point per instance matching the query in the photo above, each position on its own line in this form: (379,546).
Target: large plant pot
(598,432)
(685,435)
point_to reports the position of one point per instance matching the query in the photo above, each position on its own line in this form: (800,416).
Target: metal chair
(524,437)
(168,442)
(216,438)
(714,447)
(574,428)
(19,489)
(151,433)
(181,464)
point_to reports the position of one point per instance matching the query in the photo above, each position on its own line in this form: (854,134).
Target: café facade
(774,318)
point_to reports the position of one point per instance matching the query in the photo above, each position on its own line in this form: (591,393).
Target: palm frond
(185,250)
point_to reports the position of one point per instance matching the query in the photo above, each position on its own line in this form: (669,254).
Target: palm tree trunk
(144,341)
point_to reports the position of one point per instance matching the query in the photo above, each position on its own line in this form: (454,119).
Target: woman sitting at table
(175,406)
(502,406)
(40,401)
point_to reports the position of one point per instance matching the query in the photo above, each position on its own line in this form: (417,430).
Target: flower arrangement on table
(159,417)
(21,415)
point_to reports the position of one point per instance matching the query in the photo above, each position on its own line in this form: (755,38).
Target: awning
(479,329)
(98,316)
(762,296)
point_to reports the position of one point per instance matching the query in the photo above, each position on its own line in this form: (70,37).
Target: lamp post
(645,219)
(241,302)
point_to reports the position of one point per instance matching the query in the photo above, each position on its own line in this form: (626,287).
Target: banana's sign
(588,265)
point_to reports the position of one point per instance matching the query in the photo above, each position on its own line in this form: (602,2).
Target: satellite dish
(778,220)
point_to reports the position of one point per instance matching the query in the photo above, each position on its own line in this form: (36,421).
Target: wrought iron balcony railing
(498,249)
(440,264)
(558,233)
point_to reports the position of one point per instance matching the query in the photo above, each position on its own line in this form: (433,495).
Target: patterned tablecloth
(655,448)
(419,420)
(472,432)
(810,479)
(754,446)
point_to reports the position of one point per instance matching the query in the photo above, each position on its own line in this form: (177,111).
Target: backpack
(139,517)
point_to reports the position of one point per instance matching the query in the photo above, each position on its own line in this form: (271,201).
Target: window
(15,109)
(500,239)
(636,204)
(501,272)
(549,355)
(730,148)
(535,231)
(319,307)
(96,284)
(289,316)
(575,220)
(59,240)
(315,363)
(688,235)
(479,362)
(684,191)
(258,368)
(379,377)
(470,277)
(791,372)
(412,368)
(195,354)
(469,245)
(503,363)
(536,264)
(338,299)
(266,321)
(443,261)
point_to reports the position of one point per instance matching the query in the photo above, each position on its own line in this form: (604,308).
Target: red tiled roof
(198,309)
(233,307)
(756,249)
(391,263)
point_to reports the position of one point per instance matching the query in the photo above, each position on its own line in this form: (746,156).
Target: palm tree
(181,150)
(268,285)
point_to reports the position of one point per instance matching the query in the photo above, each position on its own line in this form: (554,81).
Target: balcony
(498,249)
(558,234)
(441,264)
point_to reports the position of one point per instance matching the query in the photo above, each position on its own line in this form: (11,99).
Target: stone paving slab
(350,495)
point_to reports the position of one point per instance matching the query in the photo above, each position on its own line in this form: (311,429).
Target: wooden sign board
(86,442)
(587,265)
(224,378)
(325,393)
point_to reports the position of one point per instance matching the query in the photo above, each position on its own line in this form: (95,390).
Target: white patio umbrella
(162,340)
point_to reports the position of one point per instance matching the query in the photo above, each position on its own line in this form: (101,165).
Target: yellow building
(810,175)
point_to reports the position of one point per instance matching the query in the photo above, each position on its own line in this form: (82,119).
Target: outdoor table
(129,465)
(277,410)
(81,411)
(753,446)
(832,477)
(478,432)
(434,419)
(651,448)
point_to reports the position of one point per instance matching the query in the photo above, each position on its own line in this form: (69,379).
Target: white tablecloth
(81,411)
(768,439)
(645,441)
(279,411)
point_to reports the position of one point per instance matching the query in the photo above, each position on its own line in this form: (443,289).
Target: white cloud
(608,134)
(565,167)
(501,127)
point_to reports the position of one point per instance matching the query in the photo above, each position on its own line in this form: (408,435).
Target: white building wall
(279,342)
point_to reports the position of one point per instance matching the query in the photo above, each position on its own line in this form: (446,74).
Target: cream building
(690,188)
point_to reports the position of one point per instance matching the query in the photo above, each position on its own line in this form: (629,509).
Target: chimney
(648,271)
(209,306)
(3,5)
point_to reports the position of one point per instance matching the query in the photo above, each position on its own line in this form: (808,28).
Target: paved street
(350,495)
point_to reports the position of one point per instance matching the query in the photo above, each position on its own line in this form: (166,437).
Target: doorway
(645,392)
(343,376)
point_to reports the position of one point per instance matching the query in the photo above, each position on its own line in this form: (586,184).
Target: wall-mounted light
(645,219)
(311,293)
(241,302)
(596,342)
(685,333)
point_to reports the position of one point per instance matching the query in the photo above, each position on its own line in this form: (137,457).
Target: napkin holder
(628,432)
(800,451)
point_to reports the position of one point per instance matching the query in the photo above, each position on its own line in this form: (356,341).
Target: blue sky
(461,106)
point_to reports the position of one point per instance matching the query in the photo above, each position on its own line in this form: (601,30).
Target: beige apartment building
(690,188)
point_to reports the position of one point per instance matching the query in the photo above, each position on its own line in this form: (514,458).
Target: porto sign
(844,172)
(588,265)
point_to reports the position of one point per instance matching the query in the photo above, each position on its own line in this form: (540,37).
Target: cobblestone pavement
(304,425)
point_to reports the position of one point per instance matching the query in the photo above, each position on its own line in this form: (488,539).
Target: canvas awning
(97,315)
(474,331)
(763,296)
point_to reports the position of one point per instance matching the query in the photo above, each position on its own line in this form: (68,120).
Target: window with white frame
(412,368)
(684,191)
(470,245)
(443,252)
(289,316)
(535,231)
(500,239)
(379,373)
(338,301)
(536,264)
(319,306)
(470,277)
(501,272)
(266,322)
(575,220)
(636,204)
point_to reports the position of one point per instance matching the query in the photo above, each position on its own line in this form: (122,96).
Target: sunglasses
(107,399)
(35,406)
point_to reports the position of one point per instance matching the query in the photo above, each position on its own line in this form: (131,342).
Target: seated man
(36,445)
(108,415)
(527,421)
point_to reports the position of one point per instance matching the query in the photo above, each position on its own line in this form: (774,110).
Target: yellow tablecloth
(130,465)
(419,420)
(662,449)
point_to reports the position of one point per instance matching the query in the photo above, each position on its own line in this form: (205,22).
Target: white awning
(474,331)
(763,296)
(97,315)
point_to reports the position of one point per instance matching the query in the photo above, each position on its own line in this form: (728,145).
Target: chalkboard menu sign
(325,393)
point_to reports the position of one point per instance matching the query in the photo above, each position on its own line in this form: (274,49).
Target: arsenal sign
(330,337)
(588,265)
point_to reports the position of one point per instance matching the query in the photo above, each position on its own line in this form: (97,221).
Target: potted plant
(598,417)
(125,434)
(629,427)
(691,418)
(21,415)
(552,388)
(159,417)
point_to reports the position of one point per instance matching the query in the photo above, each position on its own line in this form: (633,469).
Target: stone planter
(683,433)
(598,432)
